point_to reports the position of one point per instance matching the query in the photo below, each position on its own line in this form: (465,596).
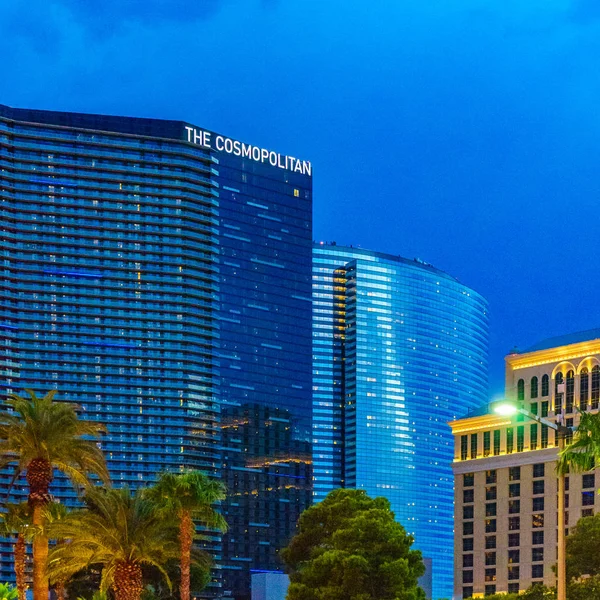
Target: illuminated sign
(262,155)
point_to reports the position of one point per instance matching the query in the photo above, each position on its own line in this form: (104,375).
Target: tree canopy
(349,547)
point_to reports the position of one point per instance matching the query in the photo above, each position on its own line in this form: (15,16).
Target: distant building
(505,477)
(400,348)
(270,586)
(159,275)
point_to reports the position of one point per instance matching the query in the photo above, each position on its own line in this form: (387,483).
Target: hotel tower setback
(399,347)
(162,281)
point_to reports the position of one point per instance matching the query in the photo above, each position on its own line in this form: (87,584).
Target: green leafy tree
(8,592)
(190,496)
(39,435)
(118,532)
(583,548)
(16,521)
(349,547)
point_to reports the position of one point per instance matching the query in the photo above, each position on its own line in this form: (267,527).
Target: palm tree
(53,513)
(583,453)
(119,532)
(41,435)
(17,521)
(189,496)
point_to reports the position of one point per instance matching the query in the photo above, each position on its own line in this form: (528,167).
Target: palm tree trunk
(60,589)
(20,553)
(40,557)
(186,536)
(39,476)
(128,583)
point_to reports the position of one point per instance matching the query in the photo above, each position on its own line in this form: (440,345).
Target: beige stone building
(504,469)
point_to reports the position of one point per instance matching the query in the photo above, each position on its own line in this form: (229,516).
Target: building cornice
(488,421)
(553,355)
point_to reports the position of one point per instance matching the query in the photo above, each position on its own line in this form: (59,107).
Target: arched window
(534,387)
(545,385)
(595,387)
(584,388)
(559,392)
(570,392)
(521,389)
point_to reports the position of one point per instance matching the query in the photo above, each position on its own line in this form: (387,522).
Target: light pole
(508,408)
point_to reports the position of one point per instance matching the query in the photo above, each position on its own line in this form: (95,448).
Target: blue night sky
(462,132)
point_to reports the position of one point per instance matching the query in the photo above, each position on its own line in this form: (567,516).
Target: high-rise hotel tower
(158,275)
(399,347)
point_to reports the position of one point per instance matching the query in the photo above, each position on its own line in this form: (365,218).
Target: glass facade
(265,362)
(400,349)
(153,281)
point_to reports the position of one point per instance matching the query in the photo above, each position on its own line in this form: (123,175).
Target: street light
(509,408)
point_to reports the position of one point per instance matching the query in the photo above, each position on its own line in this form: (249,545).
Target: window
(490,558)
(584,388)
(534,387)
(496,442)
(486,443)
(510,440)
(537,555)
(490,492)
(595,387)
(521,390)
(467,592)
(587,512)
(464,447)
(467,560)
(537,571)
(514,557)
(533,436)
(587,498)
(467,544)
(490,575)
(468,528)
(514,490)
(490,509)
(545,385)
(514,506)
(520,438)
(468,496)
(490,525)
(513,588)
(588,481)
(570,392)
(538,486)
(490,476)
(537,520)
(514,473)
(545,408)
(490,542)
(473,445)
(533,407)
(537,537)
(490,590)
(468,512)
(514,523)
(559,387)
(538,504)
(538,470)
(467,577)
(513,573)
(468,480)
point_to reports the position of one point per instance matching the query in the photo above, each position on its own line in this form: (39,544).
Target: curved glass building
(400,348)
